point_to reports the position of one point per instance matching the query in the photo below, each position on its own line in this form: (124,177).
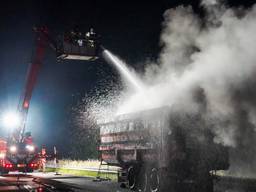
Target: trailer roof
(145,114)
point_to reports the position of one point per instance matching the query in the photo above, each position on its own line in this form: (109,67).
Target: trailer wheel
(154,181)
(131,178)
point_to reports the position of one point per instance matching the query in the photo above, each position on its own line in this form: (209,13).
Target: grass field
(79,164)
(84,173)
(80,168)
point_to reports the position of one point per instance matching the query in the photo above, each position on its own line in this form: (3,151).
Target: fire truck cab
(19,152)
(18,156)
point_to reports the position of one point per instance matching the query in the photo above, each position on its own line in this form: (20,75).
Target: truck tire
(132,178)
(160,180)
(154,180)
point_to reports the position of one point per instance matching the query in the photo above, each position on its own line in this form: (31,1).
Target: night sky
(130,29)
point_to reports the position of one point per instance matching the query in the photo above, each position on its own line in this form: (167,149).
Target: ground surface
(52,182)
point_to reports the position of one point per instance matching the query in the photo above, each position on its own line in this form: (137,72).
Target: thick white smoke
(199,53)
(207,63)
(215,56)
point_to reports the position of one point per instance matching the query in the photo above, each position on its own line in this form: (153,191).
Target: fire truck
(18,151)
(162,150)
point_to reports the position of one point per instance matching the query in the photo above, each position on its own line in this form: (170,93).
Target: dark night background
(130,29)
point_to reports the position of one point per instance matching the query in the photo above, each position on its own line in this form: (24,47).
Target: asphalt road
(86,184)
(40,182)
(49,182)
(27,182)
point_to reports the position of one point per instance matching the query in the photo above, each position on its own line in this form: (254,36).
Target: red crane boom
(20,152)
(41,43)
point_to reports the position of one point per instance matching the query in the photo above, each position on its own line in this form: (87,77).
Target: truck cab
(21,157)
(18,156)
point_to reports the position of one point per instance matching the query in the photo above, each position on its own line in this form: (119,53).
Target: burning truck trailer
(159,151)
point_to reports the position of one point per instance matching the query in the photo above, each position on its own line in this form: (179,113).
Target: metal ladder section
(123,177)
(100,175)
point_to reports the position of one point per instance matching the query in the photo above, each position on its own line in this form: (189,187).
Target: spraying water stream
(124,70)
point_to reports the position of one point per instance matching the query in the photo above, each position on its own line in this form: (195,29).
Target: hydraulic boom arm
(73,46)
(41,43)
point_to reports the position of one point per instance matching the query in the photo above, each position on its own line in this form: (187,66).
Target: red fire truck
(19,152)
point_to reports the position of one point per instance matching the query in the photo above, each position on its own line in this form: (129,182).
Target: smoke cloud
(207,66)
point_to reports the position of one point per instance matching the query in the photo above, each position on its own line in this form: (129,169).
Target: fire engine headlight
(2,155)
(13,149)
(11,120)
(30,148)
